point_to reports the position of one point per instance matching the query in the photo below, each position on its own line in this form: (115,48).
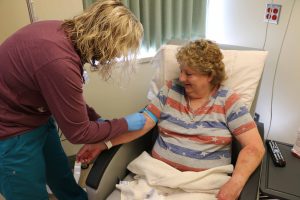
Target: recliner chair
(110,167)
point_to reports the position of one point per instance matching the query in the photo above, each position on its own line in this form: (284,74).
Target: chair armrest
(111,166)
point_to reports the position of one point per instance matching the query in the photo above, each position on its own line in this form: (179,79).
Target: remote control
(275,152)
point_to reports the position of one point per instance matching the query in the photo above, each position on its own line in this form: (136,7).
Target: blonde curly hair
(105,31)
(205,57)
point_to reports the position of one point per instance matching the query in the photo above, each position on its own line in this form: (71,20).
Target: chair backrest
(244,67)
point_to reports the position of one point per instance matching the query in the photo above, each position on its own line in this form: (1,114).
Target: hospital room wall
(241,22)
(13,15)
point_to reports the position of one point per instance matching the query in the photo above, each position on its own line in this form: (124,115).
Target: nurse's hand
(89,152)
(135,121)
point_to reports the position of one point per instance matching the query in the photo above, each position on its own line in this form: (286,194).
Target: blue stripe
(192,153)
(178,88)
(194,125)
(221,93)
(243,111)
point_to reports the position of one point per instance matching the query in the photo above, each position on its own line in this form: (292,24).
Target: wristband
(108,144)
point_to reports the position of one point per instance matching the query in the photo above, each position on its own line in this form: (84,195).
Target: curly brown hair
(205,57)
(105,31)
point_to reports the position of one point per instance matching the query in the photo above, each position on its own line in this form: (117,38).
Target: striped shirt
(195,141)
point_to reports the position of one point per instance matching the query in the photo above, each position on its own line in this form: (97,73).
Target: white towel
(157,180)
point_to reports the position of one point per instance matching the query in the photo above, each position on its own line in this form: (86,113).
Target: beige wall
(119,97)
(240,22)
(13,15)
(286,97)
(57,9)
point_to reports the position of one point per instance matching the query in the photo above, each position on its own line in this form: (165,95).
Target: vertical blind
(165,20)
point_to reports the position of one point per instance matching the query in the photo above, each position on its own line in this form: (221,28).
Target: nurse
(41,78)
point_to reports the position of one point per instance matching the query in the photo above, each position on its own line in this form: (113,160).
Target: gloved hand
(135,121)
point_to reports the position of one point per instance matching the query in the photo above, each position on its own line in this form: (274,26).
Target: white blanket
(158,181)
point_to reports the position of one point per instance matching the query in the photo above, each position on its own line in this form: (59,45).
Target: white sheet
(156,180)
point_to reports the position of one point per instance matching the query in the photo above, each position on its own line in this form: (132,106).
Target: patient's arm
(248,160)
(90,151)
(132,135)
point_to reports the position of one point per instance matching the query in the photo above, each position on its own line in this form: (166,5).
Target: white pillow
(243,67)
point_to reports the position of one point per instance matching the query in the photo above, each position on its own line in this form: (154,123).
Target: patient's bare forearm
(132,135)
(248,160)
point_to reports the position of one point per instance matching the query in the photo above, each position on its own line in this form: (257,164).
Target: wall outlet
(272,13)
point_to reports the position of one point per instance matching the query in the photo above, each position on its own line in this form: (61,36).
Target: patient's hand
(90,152)
(229,191)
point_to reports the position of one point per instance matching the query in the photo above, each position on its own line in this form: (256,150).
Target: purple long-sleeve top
(40,76)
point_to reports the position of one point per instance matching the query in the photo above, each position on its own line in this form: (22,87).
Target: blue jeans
(32,159)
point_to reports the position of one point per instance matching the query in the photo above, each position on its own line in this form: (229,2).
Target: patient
(197,117)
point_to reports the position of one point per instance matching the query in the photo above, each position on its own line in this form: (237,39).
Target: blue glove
(135,121)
